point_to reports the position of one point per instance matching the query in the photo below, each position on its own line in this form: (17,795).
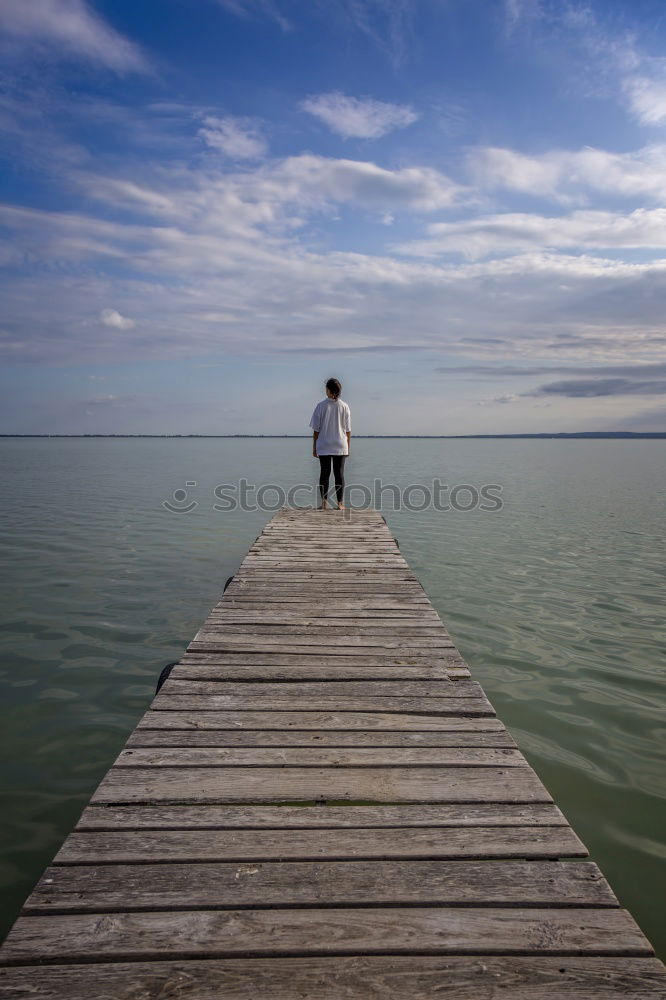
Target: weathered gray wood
(340,720)
(214,702)
(305,738)
(337,636)
(441,688)
(320,757)
(293,784)
(389,977)
(357,613)
(102,888)
(287,637)
(368,623)
(318,586)
(352,658)
(215,817)
(205,933)
(303,645)
(136,846)
(239,597)
(318,578)
(337,563)
(216,668)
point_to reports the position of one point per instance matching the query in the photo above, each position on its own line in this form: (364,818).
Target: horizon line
(519,434)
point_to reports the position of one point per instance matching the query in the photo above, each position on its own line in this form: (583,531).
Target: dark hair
(334,387)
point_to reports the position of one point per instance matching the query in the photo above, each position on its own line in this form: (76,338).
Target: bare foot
(323,506)
(341,506)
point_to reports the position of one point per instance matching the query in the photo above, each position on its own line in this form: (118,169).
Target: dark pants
(325,474)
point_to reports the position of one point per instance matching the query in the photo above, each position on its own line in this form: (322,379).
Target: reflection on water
(555,601)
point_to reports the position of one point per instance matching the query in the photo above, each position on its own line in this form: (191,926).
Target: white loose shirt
(332,419)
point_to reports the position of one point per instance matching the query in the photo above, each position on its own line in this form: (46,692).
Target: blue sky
(457,207)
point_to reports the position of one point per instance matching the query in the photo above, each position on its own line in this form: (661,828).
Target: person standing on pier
(331,432)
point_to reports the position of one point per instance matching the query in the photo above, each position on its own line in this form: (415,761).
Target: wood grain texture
(444,658)
(440,688)
(259,884)
(390,977)
(303,720)
(309,738)
(217,669)
(293,784)
(214,817)
(320,757)
(84,848)
(167,702)
(359,931)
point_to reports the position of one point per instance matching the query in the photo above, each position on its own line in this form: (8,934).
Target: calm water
(556,601)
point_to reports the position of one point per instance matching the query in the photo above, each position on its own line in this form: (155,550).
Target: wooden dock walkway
(321,803)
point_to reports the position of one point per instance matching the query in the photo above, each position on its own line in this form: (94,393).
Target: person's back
(331,426)
(334,420)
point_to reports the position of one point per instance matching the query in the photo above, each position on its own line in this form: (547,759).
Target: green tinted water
(556,602)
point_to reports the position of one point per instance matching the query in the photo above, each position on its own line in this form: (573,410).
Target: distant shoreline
(601,435)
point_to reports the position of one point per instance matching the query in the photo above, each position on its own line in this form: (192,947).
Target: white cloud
(358,118)
(213,261)
(70,27)
(309,179)
(279,194)
(199,289)
(114,319)
(237,138)
(647,98)
(517,232)
(571,175)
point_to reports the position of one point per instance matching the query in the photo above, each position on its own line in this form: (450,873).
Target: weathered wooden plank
(298,644)
(135,846)
(291,615)
(316,583)
(287,636)
(326,552)
(216,668)
(309,738)
(319,583)
(214,702)
(217,817)
(440,930)
(353,658)
(361,591)
(371,722)
(441,688)
(339,561)
(103,888)
(356,573)
(389,977)
(292,784)
(320,757)
(336,634)
(320,703)
(369,624)
(239,597)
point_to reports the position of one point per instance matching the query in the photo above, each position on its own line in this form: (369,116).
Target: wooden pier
(321,803)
